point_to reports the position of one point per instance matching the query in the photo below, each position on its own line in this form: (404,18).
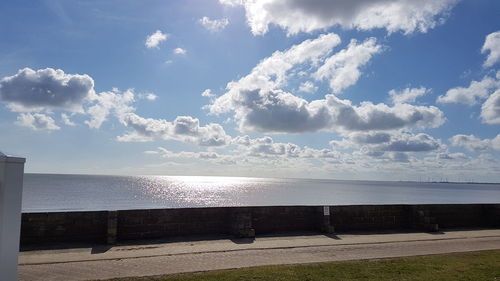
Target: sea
(57,192)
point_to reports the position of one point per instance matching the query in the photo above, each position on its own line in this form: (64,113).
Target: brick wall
(157,223)
(370,217)
(277,219)
(39,228)
(463,215)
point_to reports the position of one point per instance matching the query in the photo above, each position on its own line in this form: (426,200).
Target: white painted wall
(11,189)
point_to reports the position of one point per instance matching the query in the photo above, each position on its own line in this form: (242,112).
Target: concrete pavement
(175,257)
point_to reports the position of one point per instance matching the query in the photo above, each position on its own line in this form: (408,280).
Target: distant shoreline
(278,178)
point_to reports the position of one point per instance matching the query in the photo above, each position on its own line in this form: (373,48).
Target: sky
(368,89)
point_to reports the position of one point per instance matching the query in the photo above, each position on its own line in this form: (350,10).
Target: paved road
(156,259)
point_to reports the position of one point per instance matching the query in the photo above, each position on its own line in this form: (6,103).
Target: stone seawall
(126,225)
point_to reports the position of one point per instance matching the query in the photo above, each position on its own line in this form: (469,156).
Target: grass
(473,266)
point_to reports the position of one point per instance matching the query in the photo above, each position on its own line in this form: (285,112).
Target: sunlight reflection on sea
(44,192)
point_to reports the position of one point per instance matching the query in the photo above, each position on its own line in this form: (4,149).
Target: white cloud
(214,25)
(474,143)
(407,95)
(368,116)
(266,146)
(307,87)
(66,121)
(153,40)
(307,16)
(488,88)
(207,93)
(183,128)
(490,111)
(260,105)
(148,96)
(492,45)
(278,111)
(250,152)
(370,137)
(37,121)
(407,142)
(410,156)
(263,147)
(342,69)
(397,156)
(450,156)
(180,51)
(375,144)
(471,95)
(360,139)
(272,72)
(165,153)
(110,102)
(46,89)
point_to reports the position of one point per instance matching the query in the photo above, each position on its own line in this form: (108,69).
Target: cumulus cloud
(214,25)
(46,89)
(407,142)
(473,143)
(368,116)
(278,111)
(183,128)
(488,88)
(66,120)
(267,147)
(110,102)
(37,121)
(424,155)
(450,156)
(375,144)
(272,111)
(207,93)
(251,151)
(307,16)
(307,87)
(148,96)
(492,45)
(399,157)
(370,137)
(490,110)
(407,95)
(153,40)
(471,95)
(343,68)
(362,138)
(273,72)
(259,103)
(165,153)
(180,51)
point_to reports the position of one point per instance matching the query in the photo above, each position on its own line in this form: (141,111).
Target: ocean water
(52,192)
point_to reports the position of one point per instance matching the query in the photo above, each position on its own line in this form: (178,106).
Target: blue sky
(393,90)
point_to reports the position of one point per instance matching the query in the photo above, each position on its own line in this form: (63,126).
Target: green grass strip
(473,266)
